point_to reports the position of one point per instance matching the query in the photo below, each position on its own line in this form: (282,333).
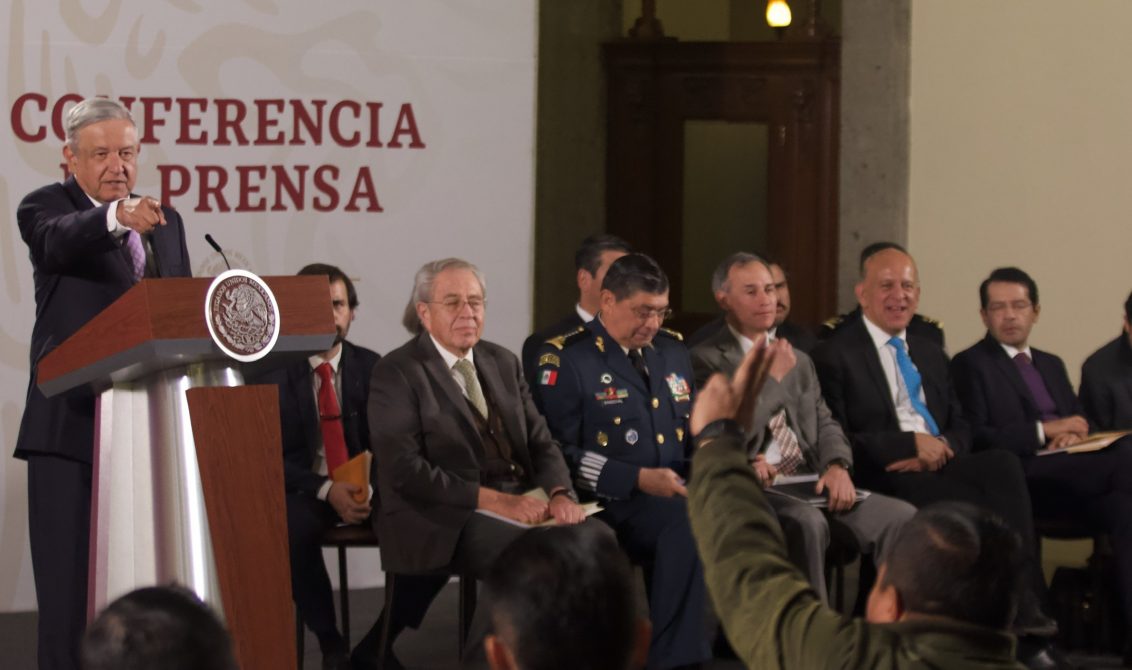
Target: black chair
(342,538)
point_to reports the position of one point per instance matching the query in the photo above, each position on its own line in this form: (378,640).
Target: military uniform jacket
(609,423)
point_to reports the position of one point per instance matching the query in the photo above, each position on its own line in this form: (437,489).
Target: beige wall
(1020,144)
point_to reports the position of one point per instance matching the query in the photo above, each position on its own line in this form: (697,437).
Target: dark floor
(433,647)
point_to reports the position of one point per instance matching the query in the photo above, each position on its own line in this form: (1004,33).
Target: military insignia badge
(549,359)
(602,439)
(611,395)
(606,378)
(681,391)
(548,378)
(631,436)
(600,344)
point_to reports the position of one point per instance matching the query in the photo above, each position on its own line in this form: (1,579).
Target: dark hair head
(632,273)
(335,274)
(1128,308)
(956,560)
(874,249)
(165,627)
(588,255)
(1010,276)
(562,597)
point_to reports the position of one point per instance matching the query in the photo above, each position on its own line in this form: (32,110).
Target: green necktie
(471,385)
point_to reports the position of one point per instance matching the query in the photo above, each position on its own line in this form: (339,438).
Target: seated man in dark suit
(1020,399)
(457,438)
(1106,381)
(792,432)
(591,261)
(920,325)
(891,390)
(322,408)
(946,590)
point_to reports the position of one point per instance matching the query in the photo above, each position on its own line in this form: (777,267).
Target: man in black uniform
(616,393)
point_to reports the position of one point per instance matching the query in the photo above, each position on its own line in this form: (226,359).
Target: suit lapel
(870,358)
(505,403)
(1010,370)
(82,202)
(353,388)
(1051,375)
(441,376)
(302,387)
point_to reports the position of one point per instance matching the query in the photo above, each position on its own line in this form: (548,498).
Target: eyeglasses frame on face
(643,314)
(456,305)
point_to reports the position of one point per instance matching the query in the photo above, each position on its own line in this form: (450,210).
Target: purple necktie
(137,253)
(1038,390)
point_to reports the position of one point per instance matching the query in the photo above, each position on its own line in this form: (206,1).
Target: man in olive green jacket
(945,592)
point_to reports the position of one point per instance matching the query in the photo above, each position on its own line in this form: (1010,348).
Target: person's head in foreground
(157,628)
(951,560)
(562,598)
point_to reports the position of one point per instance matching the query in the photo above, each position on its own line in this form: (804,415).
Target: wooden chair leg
(344,594)
(386,620)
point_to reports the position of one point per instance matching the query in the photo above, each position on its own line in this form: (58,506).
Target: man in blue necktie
(892,393)
(1020,399)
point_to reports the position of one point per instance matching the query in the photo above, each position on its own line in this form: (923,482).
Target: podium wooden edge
(239,451)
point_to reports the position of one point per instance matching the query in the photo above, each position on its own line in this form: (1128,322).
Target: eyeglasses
(646,313)
(455,305)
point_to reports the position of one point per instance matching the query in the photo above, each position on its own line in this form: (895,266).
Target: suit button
(602,439)
(655,403)
(660,438)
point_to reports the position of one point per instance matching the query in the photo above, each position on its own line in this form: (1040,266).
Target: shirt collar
(449,357)
(745,343)
(1013,351)
(879,337)
(317,360)
(586,316)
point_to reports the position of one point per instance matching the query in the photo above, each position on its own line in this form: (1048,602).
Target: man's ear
(499,657)
(641,643)
(584,278)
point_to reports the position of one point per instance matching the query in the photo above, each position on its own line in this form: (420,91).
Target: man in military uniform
(920,325)
(616,393)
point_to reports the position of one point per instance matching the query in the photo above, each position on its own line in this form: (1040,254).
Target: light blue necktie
(913,383)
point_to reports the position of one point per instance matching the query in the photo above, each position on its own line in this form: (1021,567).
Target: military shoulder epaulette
(834,322)
(561,341)
(674,334)
(930,320)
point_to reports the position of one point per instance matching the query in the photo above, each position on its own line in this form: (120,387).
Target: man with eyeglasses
(1020,399)
(458,443)
(616,393)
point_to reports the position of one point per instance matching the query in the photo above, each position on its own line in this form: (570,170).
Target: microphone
(212,243)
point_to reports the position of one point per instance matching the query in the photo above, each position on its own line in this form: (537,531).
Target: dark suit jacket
(819,435)
(797,336)
(532,344)
(854,386)
(298,413)
(921,326)
(1106,386)
(429,452)
(997,401)
(80,269)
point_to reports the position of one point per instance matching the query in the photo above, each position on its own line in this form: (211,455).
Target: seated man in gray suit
(455,432)
(793,432)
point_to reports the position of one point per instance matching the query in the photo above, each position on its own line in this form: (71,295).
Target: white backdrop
(372,134)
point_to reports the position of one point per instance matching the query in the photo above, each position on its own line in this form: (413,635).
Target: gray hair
(422,288)
(92,110)
(740,258)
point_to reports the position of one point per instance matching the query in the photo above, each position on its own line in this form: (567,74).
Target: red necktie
(333,438)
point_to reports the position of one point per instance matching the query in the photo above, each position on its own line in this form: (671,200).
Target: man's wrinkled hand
(764,471)
(523,509)
(1072,425)
(566,512)
(932,451)
(341,498)
(784,359)
(661,482)
(141,214)
(842,493)
(906,465)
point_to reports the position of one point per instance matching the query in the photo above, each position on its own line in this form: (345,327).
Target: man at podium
(90,239)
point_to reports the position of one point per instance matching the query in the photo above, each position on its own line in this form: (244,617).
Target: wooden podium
(188,469)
